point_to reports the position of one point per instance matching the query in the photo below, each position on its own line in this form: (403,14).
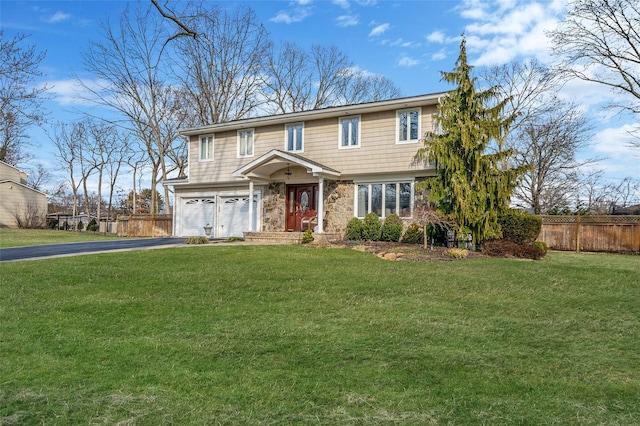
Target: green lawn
(10,237)
(296,335)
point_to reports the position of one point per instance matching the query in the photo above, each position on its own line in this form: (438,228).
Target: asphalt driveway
(49,250)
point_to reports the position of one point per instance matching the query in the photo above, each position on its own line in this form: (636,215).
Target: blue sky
(406,41)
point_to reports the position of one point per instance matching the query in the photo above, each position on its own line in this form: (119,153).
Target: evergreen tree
(470,187)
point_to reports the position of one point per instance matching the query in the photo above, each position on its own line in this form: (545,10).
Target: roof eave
(329,112)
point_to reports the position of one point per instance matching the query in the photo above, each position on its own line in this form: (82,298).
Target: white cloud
(621,159)
(71,93)
(438,56)
(503,30)
(347,20)
(58,17)
(407,61)
(296,15)
(342,3)
(406,44)
(379,30)
(436,37)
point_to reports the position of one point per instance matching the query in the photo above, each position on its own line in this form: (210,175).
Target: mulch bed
(398,251)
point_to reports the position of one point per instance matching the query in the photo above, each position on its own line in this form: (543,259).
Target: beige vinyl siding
(11,173)
(15,197)
(378,151)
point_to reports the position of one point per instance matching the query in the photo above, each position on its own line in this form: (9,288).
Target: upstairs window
(245,143)
(206,148)
(294,137)
(349,132)
(408,126)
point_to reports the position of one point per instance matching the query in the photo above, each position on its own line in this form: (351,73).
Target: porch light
(288,172)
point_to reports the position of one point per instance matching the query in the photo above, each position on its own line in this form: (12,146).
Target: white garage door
(234,216)
(196,213)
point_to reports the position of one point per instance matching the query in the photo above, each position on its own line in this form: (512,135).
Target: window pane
(390,199)
(376,198)
(249,150)
(363,200)
(206,148)
(405,200)
(402,134)
(414,125)
(345,133)
(290,136)
(354,132)
(299,137)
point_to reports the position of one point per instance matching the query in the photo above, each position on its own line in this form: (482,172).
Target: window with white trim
(206,148)
(384,199)
(408,125)
(349,132)
(294,137)
(245,143)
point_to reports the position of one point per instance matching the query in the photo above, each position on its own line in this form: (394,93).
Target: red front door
(301,202)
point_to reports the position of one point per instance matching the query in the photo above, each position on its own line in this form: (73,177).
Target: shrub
(520,227)
(371,227)
(391,228)
(307,236)
(80,226)
(413,235)
(456,253)
(234,239)
(541,245)
(354,230)
(197,240)
(506,248)
(92,226)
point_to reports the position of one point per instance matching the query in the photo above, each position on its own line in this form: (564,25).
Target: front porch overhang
(263,167)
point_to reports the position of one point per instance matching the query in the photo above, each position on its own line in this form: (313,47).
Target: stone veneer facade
(338,202)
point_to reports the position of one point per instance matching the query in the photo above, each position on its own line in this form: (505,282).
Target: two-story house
(280,173)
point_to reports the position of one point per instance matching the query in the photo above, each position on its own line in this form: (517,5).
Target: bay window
(384,199)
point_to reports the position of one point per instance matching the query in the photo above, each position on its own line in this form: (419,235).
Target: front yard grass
(12,237)
(297,335)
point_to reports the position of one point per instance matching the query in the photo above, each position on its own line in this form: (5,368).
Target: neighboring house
(282,172)
(17,200)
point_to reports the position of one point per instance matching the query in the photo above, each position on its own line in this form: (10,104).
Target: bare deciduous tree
(599,42)
(133,82)
(39,177)
(68,141)
(549,145)
(226,62)
(601,196)
(365,87)
(530,89)
(298,80)
(20,101)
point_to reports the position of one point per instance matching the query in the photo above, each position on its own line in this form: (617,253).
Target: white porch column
(250,206)
(321,205)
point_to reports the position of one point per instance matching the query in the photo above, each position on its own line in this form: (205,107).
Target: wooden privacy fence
(145,225)
(591,233)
